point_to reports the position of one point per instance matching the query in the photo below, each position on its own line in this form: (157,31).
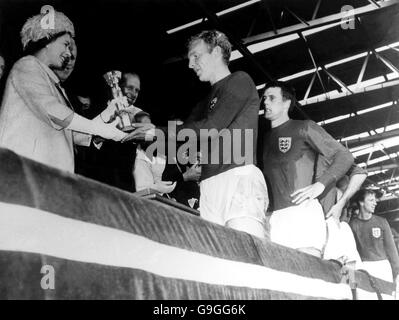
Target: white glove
(164,186)
(142,130)
(96,127)
(110,131)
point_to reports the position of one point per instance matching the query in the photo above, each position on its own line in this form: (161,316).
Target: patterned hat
(44,25)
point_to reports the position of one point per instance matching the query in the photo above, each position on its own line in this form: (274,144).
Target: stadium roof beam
(220,13)
(296,16)
(372,139)
(313,61)
(375,3)
(363,69)
(316,10)
(389,115)
(336,79)
(390,156)
(377,86)
(269,14)
(310,86)
(301,27)
(315,23)
(386,61)
(383,167)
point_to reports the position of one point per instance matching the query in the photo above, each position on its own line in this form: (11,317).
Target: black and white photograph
(199,154)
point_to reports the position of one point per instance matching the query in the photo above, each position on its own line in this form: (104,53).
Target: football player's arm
(323,143)
(356,180)
(341,161)
(390,248)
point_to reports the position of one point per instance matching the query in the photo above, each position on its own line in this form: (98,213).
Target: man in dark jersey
(354,178)
(290,155)
(233,191)
(374,239)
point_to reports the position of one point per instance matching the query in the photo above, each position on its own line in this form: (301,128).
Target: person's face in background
(274,104)
(368,204)
(58,52)
(2,65)
(85,101)
(131,87)
(65,71)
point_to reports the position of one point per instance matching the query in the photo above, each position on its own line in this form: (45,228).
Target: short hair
(287,92)
(124,75)
(360,195)
(213,38)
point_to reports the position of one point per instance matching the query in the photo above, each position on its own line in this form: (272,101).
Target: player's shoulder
(241,76)
(240,83)
(299,124)
(310,126)
(379,219)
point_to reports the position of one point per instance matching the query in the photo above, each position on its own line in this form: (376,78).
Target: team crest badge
(213,103)
(376,232)
(284,144)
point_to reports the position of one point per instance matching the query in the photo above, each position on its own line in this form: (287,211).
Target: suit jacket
(34,115)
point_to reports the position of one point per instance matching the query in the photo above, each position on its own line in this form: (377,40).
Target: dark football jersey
(289,155)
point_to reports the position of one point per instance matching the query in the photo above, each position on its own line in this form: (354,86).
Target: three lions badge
(284,144)
(376,232)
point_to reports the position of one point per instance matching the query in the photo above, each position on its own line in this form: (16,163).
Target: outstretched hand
(307,193)
(144,131)
(112,132)
(165,186)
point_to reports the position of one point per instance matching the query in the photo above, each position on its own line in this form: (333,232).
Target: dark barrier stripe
(79,280)
(28,183)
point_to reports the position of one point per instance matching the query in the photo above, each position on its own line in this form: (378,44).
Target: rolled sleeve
(355,169)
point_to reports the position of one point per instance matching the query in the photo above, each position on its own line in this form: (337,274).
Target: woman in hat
(36,118)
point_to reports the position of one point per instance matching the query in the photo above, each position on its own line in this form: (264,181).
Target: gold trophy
(112,78)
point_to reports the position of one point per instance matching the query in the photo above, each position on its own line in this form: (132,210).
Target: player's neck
(278,122)
(365,215)
(220,73)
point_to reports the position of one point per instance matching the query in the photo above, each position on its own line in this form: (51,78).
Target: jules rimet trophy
(112,78)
